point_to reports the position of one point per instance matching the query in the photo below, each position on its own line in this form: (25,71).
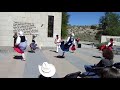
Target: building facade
(44,25)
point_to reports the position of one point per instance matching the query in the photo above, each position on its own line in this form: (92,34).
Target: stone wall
(29,22)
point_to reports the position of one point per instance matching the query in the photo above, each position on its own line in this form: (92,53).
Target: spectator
(106,61)
(110,73)
(110,44)
(77,41)
(46,70)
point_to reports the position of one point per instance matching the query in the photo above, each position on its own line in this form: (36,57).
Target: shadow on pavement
(59,56)
(53,51)
(97,56)
(31,51)
(17,57)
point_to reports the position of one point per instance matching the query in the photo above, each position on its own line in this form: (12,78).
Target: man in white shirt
(57,42)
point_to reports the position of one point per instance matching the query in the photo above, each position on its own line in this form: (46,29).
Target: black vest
(22,38)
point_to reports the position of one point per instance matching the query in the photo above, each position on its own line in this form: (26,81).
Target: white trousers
(58,46)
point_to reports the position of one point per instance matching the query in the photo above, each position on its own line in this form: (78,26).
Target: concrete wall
(107,38)
(7,20)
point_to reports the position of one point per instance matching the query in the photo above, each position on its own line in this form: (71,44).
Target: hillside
(85,33)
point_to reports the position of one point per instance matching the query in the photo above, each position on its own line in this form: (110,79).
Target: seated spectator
(46,70)
(106,61)
(110,73)
(73,75)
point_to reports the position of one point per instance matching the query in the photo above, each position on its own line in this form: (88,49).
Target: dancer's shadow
(31,51)
(97,56)
(17,57)
(53,51)
(59,56)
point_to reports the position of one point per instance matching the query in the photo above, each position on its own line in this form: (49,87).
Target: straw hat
(47,70)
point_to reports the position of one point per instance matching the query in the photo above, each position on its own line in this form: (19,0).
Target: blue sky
(85,18)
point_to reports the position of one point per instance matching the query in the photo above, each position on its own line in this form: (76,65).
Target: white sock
(23,55)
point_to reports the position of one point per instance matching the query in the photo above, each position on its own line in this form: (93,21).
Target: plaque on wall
(27,28)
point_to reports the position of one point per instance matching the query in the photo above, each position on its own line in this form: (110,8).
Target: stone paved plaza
(15,68)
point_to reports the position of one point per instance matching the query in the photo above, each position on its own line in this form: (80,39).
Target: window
(50,26)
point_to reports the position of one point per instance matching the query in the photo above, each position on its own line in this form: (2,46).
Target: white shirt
(58,41)
(19,40)
(74,42)
(110,43)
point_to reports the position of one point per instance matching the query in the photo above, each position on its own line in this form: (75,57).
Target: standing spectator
(21,44)
(110,44)
(57,42)
(77,41)
(15,38)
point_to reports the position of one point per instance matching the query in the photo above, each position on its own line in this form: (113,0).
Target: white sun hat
(47,70)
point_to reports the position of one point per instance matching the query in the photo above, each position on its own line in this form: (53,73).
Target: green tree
(65,17)
(110,24)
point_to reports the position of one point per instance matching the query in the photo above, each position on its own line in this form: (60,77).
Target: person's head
(107,54)
(33,41)
(20,33)
(111,39)
(15,33)
(110,73)
(57,36)
(46,69)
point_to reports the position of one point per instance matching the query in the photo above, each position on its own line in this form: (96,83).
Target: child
(33,46)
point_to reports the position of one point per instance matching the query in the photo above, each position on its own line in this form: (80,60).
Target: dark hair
(33,41)
(111,39)
(73,75)
(108,54)
(57,35)
(110,73)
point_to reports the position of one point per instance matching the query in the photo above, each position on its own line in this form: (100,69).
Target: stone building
(44,25)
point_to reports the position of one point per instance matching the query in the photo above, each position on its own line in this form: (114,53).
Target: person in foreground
(46,70)
(107,61)
(110,73)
